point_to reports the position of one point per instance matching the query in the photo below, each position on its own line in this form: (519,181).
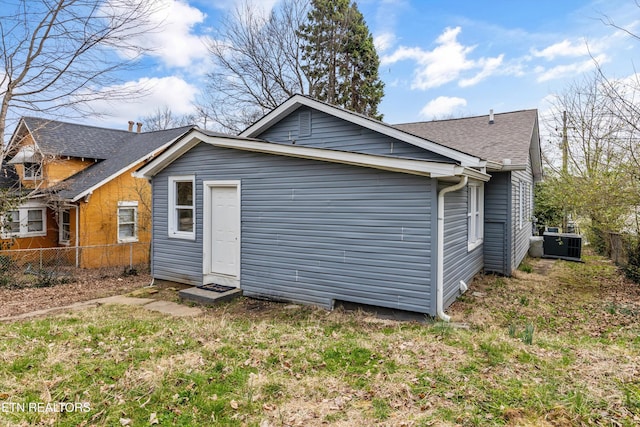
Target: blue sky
(439,58)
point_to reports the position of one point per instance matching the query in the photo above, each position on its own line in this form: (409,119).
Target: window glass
(127,217)
(34,220)
(31,170)
(185,220)
(65,226)
(184,193)
(13,221)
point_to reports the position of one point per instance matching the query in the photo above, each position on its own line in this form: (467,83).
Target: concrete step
(205,297)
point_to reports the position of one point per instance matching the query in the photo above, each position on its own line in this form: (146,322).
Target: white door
(222,233)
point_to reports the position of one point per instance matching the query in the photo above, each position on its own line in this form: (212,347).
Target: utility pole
(565,143)
(565,168)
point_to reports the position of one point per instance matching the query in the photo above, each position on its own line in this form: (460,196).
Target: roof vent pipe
(139,127)
(130,125)
(491,117)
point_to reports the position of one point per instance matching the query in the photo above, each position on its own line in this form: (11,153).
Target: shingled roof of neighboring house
(508,137)
(115,151)
(55,138)
(133,150)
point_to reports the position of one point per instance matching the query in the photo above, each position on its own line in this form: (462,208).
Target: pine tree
(340,57)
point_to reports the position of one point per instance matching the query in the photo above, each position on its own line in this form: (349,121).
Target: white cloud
(171,91)
(174,40)
(562,49)
(384,41)
(445,63)
(569,70)
(489,67)
(442,106)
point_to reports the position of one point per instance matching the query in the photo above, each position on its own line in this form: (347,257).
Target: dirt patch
(589,298)
(18,301)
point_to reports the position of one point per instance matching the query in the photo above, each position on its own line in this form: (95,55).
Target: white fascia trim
(123,170)
(513,167)
(297,100)
(414,167)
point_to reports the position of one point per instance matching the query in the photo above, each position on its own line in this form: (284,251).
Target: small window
(65,226)
(521,198)
(475,215)
(32,171)
(182,207)
(25,222)
(127,222)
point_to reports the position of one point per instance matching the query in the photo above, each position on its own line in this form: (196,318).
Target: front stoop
(202,296)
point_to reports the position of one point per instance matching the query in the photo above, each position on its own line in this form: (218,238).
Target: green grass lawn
(560,349)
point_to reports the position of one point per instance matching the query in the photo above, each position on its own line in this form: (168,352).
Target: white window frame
(173,207)
(128,206)
(35,171)
(475,215)
(61,224)
(23,217)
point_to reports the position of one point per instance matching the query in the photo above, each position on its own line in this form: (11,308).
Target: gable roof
(396,164)
(56,138)
(296,101)
(115,151)
(510,137)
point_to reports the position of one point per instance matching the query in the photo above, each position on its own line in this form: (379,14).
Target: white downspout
(77,242)
(440,249)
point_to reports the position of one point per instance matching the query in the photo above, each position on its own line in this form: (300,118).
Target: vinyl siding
(459,263)
(336,134)
(521,230)
(312,232)
(497,222)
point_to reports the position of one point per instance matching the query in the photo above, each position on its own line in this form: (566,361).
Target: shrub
(632,269)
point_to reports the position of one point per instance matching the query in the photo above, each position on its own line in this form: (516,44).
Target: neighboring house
(315,204)
(78,186)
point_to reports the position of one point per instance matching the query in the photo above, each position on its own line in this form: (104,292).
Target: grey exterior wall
(497,224)
(520,233)
(459,263)
(336,134)
(312,232)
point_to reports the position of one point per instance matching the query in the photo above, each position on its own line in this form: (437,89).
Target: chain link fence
(50,266)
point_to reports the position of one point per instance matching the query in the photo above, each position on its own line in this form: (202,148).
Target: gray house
(316,204)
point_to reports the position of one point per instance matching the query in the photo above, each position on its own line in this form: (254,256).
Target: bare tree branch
(59,55)
(257,65)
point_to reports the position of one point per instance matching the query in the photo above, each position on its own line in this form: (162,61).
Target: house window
(65,226)
(13,222)
(127,222)
(475,215)
(182,207)
(32,170)
(521,199)
(26,222)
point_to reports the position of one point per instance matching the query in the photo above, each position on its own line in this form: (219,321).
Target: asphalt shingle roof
(75,140)
(509,137)
(113,149)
